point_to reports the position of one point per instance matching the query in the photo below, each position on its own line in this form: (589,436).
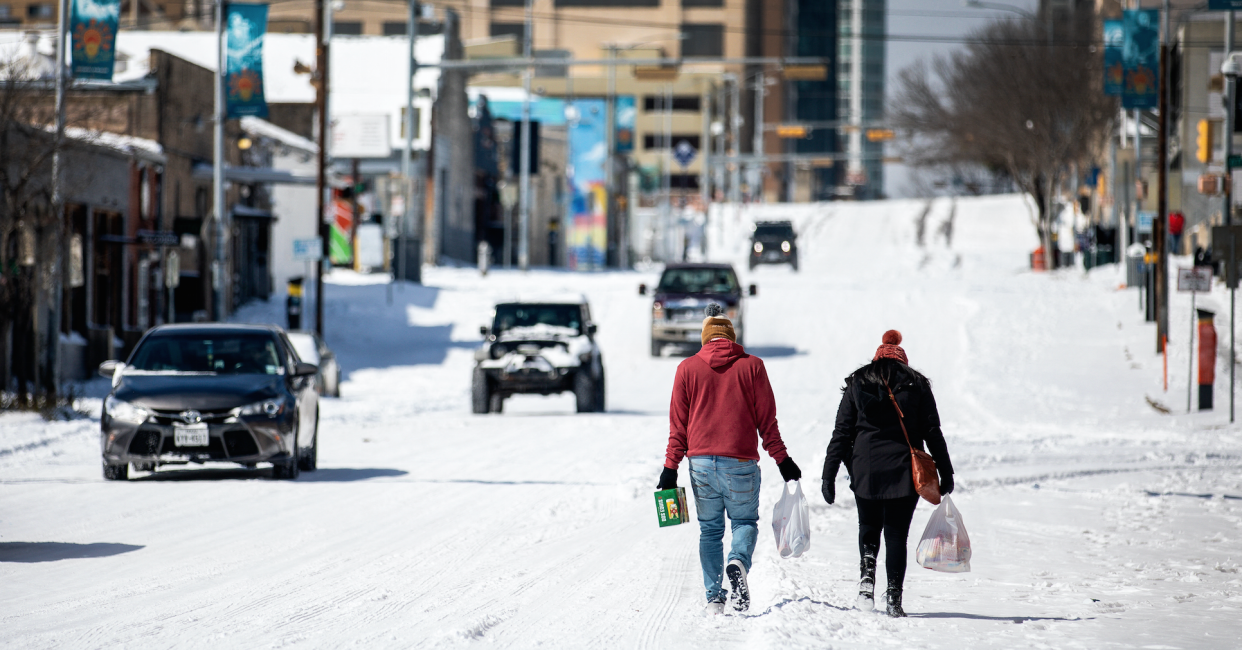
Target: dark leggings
(892,517)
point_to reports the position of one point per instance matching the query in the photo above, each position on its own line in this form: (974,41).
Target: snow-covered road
(1096,520)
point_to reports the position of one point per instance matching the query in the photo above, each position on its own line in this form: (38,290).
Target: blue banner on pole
(92,28)
(1114,68)
(588,239)
(245,26)
(625,119)
(1141,58)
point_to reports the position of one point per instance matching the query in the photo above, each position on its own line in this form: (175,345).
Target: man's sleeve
(765,415)
(678,415)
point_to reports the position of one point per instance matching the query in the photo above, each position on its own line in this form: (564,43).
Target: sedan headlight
(123,411)
(785,246)
(271,408)
(758,247)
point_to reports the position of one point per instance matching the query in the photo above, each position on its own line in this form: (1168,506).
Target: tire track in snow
(667,594)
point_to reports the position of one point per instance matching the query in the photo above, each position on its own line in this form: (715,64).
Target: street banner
(625,119)
(1141,58)
(1114,68)
(588,239)
(340,240)
(92,28)
(245,26)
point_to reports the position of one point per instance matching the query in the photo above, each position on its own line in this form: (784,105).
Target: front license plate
(190,435)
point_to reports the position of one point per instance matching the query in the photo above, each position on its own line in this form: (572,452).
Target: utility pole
(1160,229)
(218,269)
(1231,89)
(406,171)
(524,154)
(735,121)
(321,181)
(58,204)
(756,183)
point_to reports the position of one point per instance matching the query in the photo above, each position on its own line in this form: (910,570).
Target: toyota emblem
(191,416)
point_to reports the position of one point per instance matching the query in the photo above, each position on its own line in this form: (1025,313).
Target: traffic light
(1204,141)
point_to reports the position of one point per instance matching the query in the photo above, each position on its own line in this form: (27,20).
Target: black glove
(829,487)
(946,484)
(668,479)
(789,470)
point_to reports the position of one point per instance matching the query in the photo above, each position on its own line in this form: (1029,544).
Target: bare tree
(1023,96)
(32,234)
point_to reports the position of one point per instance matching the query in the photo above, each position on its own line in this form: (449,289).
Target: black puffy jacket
(868,440)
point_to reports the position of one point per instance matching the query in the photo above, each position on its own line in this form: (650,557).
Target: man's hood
(721,352)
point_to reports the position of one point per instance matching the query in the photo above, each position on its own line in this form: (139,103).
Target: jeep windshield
(774,231)
(536,320)
(224,354)
(698,280)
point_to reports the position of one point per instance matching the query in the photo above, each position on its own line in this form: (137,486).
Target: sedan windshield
(519,316)
(698,280)
(224,353)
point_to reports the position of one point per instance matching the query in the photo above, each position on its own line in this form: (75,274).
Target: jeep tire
(480,392)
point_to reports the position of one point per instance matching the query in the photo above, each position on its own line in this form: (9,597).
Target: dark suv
(683,292)
(774,242)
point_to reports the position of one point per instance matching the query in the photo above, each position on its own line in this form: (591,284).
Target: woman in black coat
(868,439)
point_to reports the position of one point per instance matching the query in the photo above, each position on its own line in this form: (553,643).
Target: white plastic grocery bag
(945,545)
(791,522)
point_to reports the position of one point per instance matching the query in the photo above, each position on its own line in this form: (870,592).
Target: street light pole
(1231,89)
(217,167)
(406,171)
(58,203)
(322,18)
(524,154)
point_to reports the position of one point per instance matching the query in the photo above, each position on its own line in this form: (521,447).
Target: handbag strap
(901,417)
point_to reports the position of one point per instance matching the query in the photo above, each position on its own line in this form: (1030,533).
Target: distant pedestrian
(868,439)
(721,398)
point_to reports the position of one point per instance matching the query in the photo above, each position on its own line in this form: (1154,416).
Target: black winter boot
(866,583)
(894,600)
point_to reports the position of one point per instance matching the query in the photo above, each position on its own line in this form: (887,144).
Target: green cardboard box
(671,507)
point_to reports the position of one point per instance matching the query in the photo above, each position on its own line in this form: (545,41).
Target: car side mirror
(110,367)
(303,369)
(642,289)
(484,330)
(591,329)
(754,290)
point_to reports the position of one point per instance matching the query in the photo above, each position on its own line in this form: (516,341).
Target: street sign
(1196,278)
(172,270)
(1145,220)
(684,152)
(159,237)
(880,135)
(307,250)
(1224,5)
(1225,243)
(1235,161)
(792,131)
(360,136)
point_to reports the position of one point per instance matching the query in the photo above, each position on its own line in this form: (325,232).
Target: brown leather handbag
(926,481)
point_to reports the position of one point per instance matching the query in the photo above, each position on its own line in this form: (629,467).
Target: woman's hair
(884,370)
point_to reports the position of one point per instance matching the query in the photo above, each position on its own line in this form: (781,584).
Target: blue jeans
(722,484)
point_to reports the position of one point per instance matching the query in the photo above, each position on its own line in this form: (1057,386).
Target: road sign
(1235,161)
(1224,5)
(1197,278)
(1225,243)
(684,152)
(880,135)
(792,131)
(360,136)
(307,250)
(172,270)
(159,237)
(1145,220)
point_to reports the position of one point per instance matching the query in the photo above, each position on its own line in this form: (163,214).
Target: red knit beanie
(890,348)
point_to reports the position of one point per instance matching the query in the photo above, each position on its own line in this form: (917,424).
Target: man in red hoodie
(721,397)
